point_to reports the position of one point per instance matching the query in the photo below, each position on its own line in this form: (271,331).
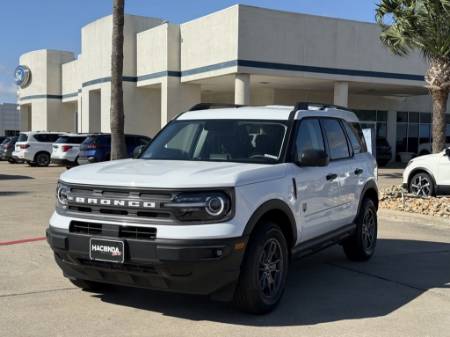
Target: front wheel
(361,245)
(421,185)
(264,270)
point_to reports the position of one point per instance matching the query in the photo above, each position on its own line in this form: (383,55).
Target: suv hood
(171,173)
(427,157)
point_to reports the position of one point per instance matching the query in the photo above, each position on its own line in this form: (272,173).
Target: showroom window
(376,120)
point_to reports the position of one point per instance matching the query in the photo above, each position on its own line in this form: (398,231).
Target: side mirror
(447,152)
(311,158)
(138,151)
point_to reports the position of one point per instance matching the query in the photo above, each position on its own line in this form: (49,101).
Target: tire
(42,159)
(261,283)
(88,285)
(361,245)
(422,185)
(11,161)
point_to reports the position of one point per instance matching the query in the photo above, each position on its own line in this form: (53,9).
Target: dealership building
(242,55)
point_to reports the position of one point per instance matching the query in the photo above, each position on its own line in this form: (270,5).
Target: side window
(309,137)
(337,142)
(52,138)
(356,137)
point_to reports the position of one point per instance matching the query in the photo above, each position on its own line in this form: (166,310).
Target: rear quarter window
(23,137)
(356,137)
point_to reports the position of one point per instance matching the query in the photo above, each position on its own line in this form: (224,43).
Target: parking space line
(7,243)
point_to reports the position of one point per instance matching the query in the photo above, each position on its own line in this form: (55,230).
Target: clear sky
(55,24)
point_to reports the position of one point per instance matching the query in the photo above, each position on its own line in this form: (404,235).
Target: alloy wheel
(421,186)
(369,227)
(271,268)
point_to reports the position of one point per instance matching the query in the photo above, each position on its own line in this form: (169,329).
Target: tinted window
(46,137)
(23,137)
(356,137)
(70,139)
(309,137)
(97,140)
(337,143)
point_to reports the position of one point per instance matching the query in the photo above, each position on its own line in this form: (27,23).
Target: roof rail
(321,106)
(206,106)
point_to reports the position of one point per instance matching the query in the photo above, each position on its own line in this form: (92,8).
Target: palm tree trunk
(118,147)
(439,122)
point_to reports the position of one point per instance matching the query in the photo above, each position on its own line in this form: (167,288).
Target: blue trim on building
(325,70)
(242,63)
(167,73)
(73,94)
(40,97)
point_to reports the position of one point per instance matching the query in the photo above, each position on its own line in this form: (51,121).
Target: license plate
(106,250)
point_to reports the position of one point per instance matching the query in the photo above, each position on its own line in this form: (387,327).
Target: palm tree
(118,147)
(422,25)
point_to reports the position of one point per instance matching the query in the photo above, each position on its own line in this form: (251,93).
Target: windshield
(219,140)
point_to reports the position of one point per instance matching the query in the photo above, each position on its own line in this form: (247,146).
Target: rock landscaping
(397,198)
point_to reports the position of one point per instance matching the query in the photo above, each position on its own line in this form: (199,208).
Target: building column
(177,97)
(392,132)
(242,89)
(341,94)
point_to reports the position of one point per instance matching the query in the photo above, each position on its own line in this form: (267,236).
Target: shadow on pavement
(321,288)
(12,193)
(13,177)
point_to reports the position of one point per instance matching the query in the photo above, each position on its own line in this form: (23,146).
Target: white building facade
(241,55)
(9,119)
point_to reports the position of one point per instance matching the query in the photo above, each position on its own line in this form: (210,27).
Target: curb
(417,218)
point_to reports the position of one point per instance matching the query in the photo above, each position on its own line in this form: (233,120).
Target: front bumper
(185,266)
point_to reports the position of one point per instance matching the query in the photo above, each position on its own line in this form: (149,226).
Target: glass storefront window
(413,137)
(382,116)
(402,140)
(413,117)
(381,130)
(425,117)
(402,117)
(366,115)
(424,133)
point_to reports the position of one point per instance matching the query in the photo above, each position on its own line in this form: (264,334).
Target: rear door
(339,171)
(316,195)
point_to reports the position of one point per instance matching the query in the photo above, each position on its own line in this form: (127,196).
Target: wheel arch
(280,213)
(39,152)
(370,190)
(421,170)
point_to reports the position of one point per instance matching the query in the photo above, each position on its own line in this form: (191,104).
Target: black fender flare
(272,205)
(370,185)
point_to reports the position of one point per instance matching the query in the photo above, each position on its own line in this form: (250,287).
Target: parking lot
(403,291)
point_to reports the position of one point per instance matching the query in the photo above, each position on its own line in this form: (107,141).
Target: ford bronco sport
(219,202)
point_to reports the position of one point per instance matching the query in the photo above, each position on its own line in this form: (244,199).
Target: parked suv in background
(219,202)
(97,148)
(66,149)
(7,148)
(35,147)
(428,175)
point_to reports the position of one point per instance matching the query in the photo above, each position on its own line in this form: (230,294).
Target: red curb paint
(7,243)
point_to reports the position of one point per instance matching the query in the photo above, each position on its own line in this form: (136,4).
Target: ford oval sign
(22,76)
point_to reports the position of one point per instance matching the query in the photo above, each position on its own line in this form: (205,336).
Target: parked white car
(428,175)
(35,147)
(219,202)
(66,149)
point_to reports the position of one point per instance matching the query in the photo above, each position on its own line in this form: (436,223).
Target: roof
(270,112)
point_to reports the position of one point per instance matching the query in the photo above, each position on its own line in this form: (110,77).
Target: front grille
(140,233)
(126,232)
(117,194)
(85,228)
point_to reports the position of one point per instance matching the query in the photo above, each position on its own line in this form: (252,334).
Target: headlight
(201,206)
(62,194)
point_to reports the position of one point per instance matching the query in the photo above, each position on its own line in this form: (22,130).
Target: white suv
(428,175)
(34,147)
(219,203)
(66,149)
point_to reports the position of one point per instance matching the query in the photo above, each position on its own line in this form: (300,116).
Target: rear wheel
(42,159)
(264,271)
(11,161)
(361,245)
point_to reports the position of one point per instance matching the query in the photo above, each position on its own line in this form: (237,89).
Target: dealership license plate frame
(122,249)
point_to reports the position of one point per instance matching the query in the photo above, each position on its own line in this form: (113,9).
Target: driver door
(316,194)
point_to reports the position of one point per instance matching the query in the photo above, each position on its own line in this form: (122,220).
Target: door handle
(359,171)
(331,176)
